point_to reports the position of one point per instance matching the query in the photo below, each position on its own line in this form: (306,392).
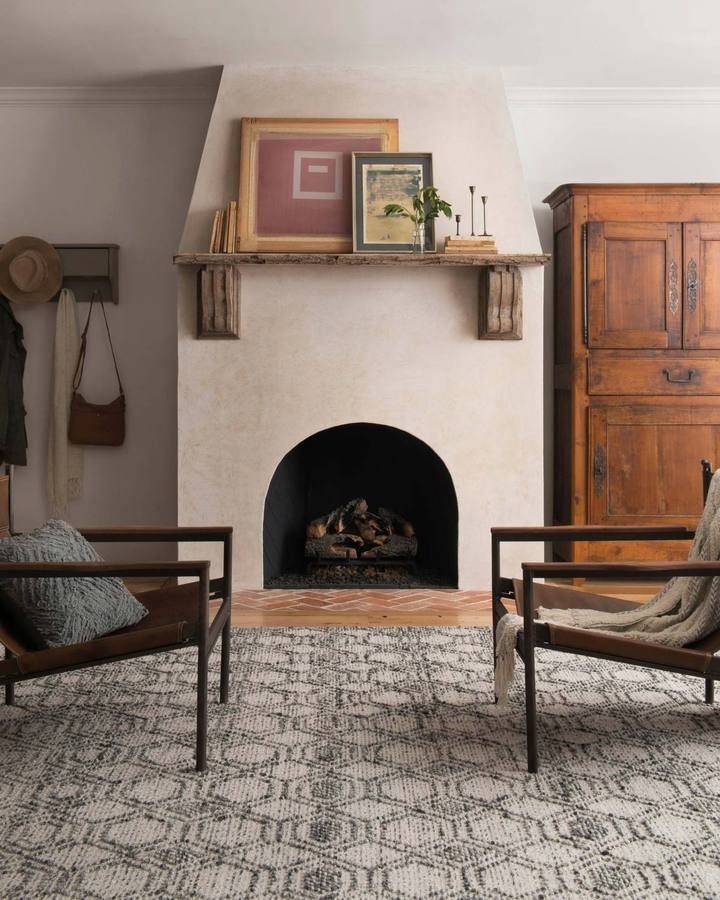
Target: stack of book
(482,244)
(224,229)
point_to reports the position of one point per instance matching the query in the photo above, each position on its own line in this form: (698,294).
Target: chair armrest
(624,570)
(198,568)
(594,533)
(157,534)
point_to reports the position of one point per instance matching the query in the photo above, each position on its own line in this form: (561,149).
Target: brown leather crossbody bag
(93,423)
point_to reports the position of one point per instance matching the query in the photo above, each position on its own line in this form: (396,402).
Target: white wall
(78,168)
(323,346)
(576,135)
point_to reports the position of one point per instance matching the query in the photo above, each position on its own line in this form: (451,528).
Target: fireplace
(379,475)
(321,346)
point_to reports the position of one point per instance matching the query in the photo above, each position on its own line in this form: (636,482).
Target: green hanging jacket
(13,437)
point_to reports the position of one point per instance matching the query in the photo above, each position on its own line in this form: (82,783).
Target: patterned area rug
(359,763)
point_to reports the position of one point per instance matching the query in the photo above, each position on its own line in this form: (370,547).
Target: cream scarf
(65,460)
(686,610)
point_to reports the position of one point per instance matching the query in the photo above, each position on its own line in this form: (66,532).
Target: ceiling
(615,43)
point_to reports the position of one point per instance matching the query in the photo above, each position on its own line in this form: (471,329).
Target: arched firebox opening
(405,534)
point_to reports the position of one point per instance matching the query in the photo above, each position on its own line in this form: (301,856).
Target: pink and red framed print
(296,181)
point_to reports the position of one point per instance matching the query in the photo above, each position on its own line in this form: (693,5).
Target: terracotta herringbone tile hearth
(361,607)
(342,599)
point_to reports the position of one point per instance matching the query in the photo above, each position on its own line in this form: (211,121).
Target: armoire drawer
(675,376)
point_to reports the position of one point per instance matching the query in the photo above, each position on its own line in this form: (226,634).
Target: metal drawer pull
(690,375)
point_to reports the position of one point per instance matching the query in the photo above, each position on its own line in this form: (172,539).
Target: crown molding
(104,96)
(519,96)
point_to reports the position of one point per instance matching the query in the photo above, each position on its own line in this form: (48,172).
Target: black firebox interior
(386,466)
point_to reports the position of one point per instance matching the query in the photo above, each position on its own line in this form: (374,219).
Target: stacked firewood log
(352,531)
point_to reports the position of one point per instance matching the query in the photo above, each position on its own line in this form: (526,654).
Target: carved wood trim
(500,306)
(692,285)
(599,469)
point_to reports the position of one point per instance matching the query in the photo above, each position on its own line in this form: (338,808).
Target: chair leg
(528,655)
(202,710)
(225,663)
(494,647)
(531,710)
(9,688)
(709,690)
(495,567)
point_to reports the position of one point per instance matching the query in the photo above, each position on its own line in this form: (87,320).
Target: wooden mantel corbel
(500,304)
(218,302)
(500,284)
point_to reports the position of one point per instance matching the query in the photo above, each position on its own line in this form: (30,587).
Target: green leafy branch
(426,205)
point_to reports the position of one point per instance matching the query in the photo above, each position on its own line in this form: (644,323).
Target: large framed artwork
(296,181)
(380,179)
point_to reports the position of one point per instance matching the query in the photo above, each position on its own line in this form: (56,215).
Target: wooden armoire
(637,358)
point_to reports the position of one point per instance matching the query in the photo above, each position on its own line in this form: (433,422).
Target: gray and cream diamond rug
(359,763)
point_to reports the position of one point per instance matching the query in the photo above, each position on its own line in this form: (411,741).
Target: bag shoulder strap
(80,367)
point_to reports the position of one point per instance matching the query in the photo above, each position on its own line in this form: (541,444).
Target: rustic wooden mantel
(361,259)
(500,291)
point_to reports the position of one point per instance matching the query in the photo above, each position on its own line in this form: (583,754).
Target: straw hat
(30,270)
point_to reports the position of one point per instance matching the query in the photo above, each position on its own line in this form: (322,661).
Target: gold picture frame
(296,181)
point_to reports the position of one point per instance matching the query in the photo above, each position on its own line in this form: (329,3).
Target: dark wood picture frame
(360,162)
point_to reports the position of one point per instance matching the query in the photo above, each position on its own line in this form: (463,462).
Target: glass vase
(419,239)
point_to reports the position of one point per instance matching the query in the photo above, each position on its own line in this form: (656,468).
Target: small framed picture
(296,181)
(380,179)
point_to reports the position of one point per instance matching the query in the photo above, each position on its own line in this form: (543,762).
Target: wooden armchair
(696,660)
(177,616)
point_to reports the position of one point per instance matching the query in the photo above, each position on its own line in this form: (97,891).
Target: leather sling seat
(692,657)
(698,657)
(172,619)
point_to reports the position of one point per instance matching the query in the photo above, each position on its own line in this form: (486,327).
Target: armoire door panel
(635,285)
(645,462)
(701,314)
(634,291)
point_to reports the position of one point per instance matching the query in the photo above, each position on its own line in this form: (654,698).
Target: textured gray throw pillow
(67,610)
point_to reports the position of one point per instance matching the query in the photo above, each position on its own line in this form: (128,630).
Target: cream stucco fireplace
(322,348)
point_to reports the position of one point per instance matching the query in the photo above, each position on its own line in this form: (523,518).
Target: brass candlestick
(484,203)
(457,220)
(472,210)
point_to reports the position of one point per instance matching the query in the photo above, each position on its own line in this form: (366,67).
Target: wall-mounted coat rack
(88,268)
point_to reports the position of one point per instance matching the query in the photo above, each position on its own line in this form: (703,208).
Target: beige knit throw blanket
(65,460)
(685,610)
